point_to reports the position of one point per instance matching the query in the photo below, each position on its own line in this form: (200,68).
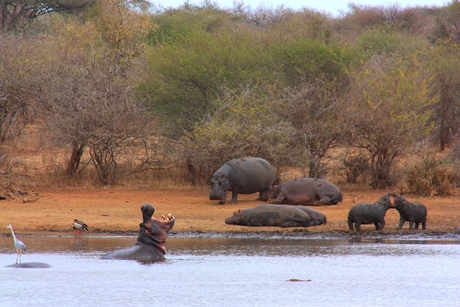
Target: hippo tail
(325,220)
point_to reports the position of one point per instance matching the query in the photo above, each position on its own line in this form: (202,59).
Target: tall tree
(89,87)
(14,14)
(195,58)
(390,109)
(18,79)
(314,110)
(446,84)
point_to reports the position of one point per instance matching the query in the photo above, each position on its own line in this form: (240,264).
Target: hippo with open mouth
(150,245)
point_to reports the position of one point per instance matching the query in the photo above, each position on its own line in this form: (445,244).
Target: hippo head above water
(150,245)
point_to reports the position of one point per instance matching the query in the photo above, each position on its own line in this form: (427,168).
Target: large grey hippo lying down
(150,245)
(270,215)
(303,191)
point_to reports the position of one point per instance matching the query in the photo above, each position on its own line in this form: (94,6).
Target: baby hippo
(414,213)
(370,213)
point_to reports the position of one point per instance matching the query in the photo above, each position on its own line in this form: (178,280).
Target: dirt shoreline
(116,211)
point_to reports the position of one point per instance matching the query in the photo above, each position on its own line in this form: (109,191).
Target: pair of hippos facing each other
(374,213)
(251,175)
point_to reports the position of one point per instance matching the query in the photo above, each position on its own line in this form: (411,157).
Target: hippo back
(304,191)
(369,213)
(139,252)
(269,215)
(245,175)
(252,174)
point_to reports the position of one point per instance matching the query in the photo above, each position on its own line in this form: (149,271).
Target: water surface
(234,272)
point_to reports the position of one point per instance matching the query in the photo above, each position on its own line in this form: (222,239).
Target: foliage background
(112,92)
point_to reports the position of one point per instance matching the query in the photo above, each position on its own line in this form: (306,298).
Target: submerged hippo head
(219,188)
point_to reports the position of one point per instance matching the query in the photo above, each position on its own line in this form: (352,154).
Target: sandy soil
(115,210)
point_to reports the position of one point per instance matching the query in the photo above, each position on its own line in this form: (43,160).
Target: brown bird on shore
(79,226)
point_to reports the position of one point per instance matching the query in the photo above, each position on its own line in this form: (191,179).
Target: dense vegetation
(371,96)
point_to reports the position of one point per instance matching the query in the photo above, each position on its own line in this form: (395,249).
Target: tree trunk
(75,158)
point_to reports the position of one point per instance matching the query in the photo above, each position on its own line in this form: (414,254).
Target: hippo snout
(216,196)
(219,195)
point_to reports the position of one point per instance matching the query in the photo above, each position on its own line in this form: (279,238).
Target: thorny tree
(15,14)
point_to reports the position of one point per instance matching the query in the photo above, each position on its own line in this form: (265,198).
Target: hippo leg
(254,222)
(324,199)
(411,225)
(279,199)
(224,197)
(379,225)
(424,225)
(416,225)
(358,226)
(401,223)
(290,224)
(350,225)
(234,195)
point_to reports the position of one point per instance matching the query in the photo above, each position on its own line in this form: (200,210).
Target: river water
(220,271)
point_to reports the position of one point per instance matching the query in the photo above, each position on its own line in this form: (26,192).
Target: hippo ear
(239,211)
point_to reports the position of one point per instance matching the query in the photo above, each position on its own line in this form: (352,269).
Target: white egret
(18,244)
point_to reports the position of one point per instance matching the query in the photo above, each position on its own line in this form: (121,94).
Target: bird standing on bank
(18,244)
(79,226)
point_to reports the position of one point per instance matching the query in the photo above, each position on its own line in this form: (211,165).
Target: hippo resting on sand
(246,176)
(370,213)
(150,241)
(270,215)
(316,217)
(415,212)
(303,191)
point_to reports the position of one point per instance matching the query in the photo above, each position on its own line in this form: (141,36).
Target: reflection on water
(234,272)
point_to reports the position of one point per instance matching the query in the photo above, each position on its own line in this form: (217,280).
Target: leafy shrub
(429,176)
(355,166)
(243,124)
